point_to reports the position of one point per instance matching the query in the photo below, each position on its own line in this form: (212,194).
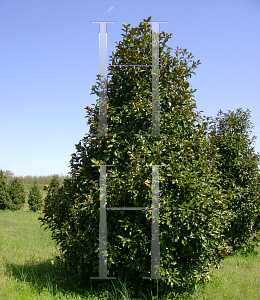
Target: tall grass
(29,269)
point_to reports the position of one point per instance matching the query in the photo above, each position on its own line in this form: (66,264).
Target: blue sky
(49,59)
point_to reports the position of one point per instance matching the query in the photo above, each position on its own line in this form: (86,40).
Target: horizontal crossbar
(129,65)
(129,208)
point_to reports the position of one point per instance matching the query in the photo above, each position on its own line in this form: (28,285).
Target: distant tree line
(41,180)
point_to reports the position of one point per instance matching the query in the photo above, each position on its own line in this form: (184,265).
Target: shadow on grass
(46,275)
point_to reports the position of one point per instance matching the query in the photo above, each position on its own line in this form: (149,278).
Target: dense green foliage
(4,195)
(239,166)
(35,199)
(17,194)
(52,188)
(193,208)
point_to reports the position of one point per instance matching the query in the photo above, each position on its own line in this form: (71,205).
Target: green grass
(29,270)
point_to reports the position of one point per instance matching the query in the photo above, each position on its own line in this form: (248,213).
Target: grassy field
(28,271)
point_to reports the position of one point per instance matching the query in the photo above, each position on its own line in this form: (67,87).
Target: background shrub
(239,167)
(35,199)
(17,194)
(4,195)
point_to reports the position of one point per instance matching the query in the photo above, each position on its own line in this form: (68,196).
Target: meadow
(29,269)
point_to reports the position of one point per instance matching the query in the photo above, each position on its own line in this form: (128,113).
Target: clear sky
(49,59)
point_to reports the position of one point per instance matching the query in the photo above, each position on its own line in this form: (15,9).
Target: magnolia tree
(192,208)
